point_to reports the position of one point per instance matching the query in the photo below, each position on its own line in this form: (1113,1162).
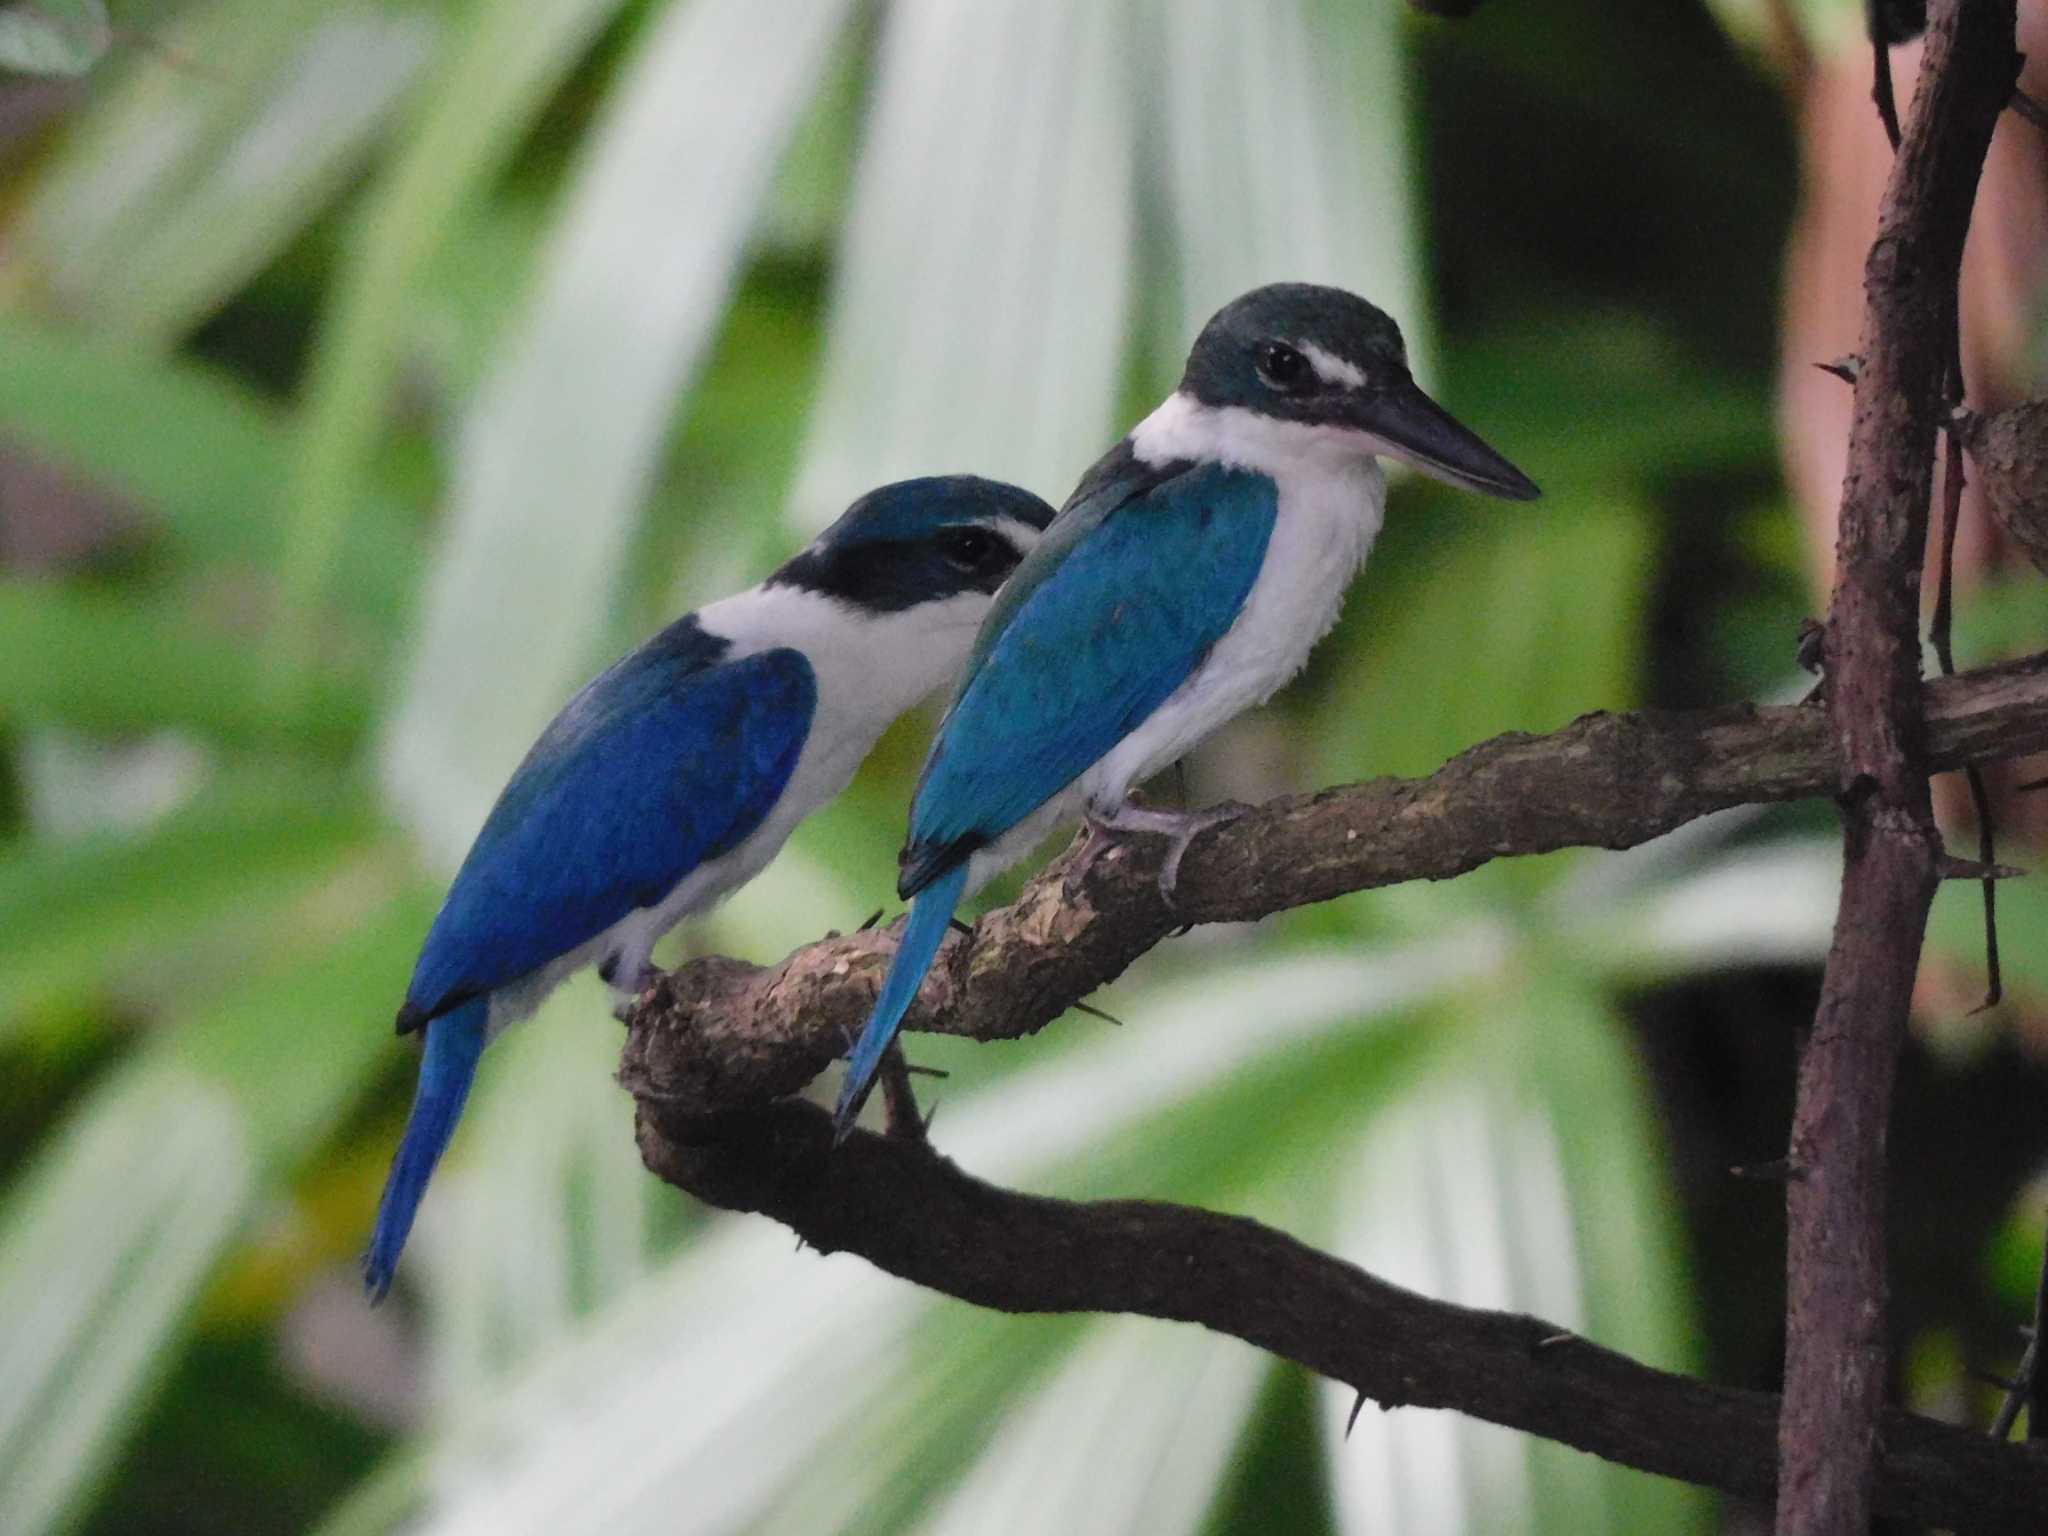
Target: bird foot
(627,991)
(1180,828)
(1098,840)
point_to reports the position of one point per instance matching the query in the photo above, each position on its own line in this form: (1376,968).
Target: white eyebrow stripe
(1329,367)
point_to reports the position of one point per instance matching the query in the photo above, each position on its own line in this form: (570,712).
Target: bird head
(1327,359)
(921,542)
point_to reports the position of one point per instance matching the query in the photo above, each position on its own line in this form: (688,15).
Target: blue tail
(454,1041)
(922,936)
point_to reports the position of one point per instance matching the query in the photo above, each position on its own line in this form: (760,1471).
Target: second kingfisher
(1187,578)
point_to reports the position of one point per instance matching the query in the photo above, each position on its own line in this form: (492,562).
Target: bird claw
(1180,828)
(1100,837)
(626,997)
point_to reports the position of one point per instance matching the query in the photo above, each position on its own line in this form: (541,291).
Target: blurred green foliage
(403,359)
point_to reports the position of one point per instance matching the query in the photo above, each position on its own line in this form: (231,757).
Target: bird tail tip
(930,916)
(454,1042)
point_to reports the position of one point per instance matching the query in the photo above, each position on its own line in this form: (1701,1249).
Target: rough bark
(713,1050)
(1836,1344)
(722,1034)
(913,1213)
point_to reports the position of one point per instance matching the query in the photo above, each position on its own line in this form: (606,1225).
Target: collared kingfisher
(1185,580)
(674,777)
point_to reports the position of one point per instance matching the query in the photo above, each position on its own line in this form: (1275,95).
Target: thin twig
(1881,77)
(1944,650)
(2028,1388)
(2031,1372)
(2017,1393)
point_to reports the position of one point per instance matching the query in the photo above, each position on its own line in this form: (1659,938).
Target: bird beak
(1406,424)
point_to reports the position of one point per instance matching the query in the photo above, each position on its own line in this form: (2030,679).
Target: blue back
(1139,576)
(670,758)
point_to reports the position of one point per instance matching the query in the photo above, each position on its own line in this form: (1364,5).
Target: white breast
(870,668)
(1332,499)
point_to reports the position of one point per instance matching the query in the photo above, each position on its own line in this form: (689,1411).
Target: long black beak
(1408,425)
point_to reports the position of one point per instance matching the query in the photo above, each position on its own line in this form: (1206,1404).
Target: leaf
(103,1244)
(110,1235)
(558,450)
(113,663)
(1496,1184)
(1554,601)
(1601,400)
(1755,904)
(545,1216)
(228,136)
(52,37)
(80,914)
(1828,25)
(195,448)
(1442,1184)
(1133,1432)
(472,113)
(1288,157)
(296,1041)
(989,338)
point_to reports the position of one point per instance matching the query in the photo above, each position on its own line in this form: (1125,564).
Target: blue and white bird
(1186,579)
(678,774)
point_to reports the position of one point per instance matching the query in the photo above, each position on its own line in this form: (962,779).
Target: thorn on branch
(1881,90)
(1357,1407)
(904,1121)
(1952,868)
(1810,651)
(1094,1012)
(1779,1170)
(1964,427)
(1848,367)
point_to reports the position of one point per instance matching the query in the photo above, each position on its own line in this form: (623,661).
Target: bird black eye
(1283,367)
(971,549)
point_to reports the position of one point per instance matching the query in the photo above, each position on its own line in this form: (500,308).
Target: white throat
(1184,428)
(870,667)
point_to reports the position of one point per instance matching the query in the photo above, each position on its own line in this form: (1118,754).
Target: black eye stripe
(1283,367)
(976,548)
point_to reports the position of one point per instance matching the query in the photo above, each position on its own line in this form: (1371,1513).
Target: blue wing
(670,758)
(1102,622)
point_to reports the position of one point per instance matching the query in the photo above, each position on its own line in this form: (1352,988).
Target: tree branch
(1835,1332)
(713,1050)
(721,1034)
(911,1212)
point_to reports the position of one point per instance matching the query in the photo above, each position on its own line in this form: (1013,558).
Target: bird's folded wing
(659,765)
(1099,626)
